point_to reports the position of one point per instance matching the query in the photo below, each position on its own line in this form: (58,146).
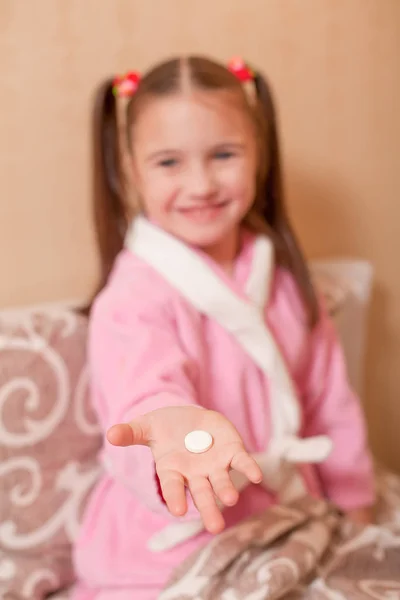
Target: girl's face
(195,163)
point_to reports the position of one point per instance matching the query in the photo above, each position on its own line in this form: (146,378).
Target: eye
(224,155)
(168,162)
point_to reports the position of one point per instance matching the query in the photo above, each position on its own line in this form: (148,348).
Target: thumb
(135,433)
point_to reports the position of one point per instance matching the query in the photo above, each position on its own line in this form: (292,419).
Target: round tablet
(198,441)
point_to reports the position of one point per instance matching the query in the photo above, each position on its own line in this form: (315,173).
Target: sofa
(50,440)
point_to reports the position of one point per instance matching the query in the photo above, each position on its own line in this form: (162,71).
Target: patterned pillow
(49,442)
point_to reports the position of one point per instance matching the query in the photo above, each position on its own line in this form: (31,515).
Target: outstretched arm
(146,384)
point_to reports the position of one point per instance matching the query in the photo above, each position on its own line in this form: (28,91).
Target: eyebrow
(232,144)
(168,151)
(160,153)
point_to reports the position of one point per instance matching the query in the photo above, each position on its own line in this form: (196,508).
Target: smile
(205,212)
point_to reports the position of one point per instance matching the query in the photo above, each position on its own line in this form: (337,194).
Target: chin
(204,237)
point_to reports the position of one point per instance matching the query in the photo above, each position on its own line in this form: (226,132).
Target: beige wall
(333,66)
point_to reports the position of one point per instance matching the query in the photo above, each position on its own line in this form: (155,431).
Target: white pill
(198,441)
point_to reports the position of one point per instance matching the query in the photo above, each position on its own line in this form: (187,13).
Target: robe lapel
(243,317)
(259,281)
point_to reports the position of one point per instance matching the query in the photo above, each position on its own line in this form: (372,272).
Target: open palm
(206,475)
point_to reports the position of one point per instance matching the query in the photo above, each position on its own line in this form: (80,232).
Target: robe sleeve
(137,365)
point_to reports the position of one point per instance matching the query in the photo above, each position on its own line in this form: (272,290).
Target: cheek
(240,182)
(158,192)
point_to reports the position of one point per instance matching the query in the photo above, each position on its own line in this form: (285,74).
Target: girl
(206,320)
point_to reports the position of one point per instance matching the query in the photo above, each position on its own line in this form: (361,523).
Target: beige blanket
(306,551)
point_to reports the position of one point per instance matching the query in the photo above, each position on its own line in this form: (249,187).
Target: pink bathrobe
(172,329)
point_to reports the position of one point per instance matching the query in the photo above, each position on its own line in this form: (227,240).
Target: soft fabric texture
(347,286)
(150,347)
(49,442)
(242,318)
(306,551)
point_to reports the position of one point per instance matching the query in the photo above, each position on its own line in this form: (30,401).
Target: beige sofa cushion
(49,442)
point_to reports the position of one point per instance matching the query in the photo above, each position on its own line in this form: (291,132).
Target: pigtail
(109,208)
(274,208)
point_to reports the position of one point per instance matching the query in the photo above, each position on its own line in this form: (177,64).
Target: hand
(362,516)
(206,475)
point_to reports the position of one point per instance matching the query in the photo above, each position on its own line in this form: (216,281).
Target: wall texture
(333,66)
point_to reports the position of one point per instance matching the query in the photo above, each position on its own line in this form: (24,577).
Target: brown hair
(111,213)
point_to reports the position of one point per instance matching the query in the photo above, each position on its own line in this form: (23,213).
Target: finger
(223,487)
(129,434)
(204,499)
(174,492)
(245,464)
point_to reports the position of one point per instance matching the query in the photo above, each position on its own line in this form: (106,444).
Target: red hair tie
(125,86)
(240,69)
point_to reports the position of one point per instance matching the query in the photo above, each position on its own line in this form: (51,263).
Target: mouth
(205,212)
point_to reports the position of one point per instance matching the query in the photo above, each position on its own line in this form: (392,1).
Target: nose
(201,181)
